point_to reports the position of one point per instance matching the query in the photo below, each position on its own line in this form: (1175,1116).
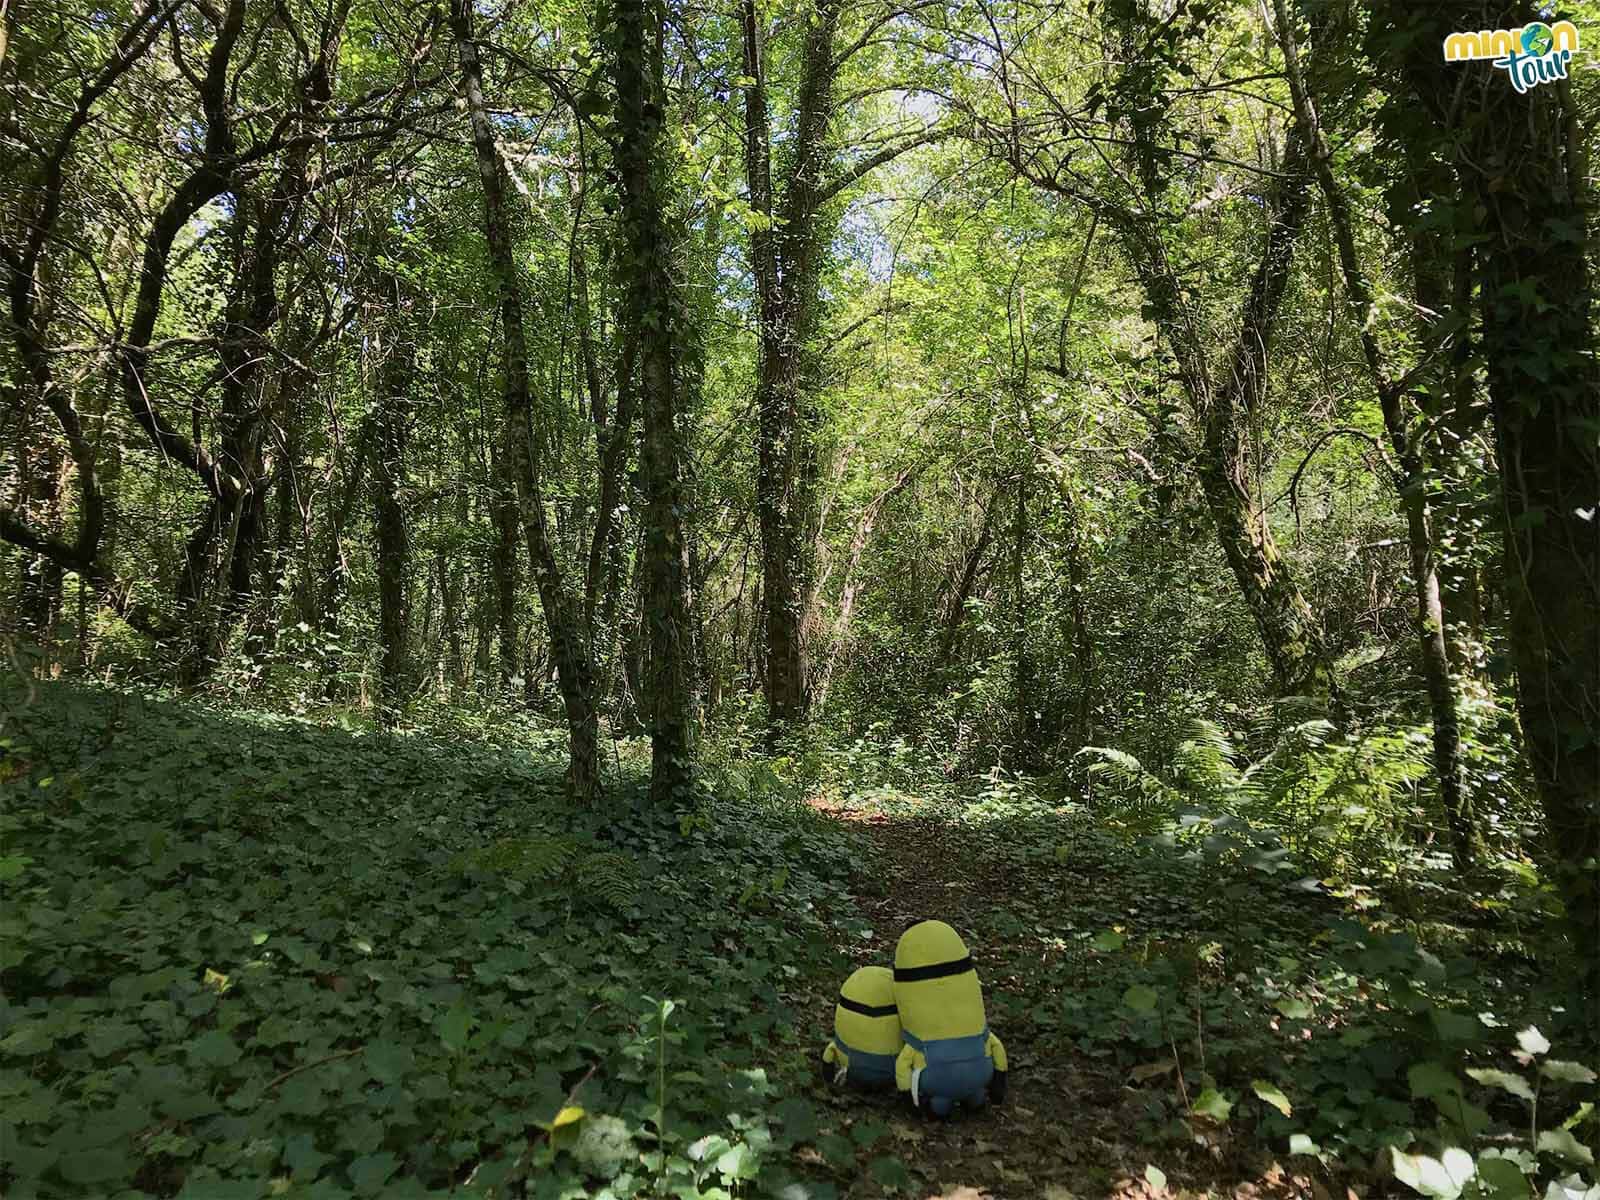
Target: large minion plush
(949,1056)
(866,1031)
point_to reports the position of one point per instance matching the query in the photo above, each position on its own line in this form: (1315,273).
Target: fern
(611,876)
(1205,761)
(560,862)
(1308,793)
(540,857)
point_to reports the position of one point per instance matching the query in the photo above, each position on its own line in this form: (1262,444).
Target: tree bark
(391,530)
(1414,471)
(670,682)
(957,608)
(568,645)
(1527,210)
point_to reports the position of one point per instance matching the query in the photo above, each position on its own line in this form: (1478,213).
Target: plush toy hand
(996,1051)
(905,1063)
(835,1065)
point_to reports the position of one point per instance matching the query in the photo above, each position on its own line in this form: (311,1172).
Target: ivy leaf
(387,1062)
(371,1171)
(453,1026)
(95,1165)
(1505,1081)
(1109,940)
(868,1132)
(1431,1081)
(214,1049)
(1213,1105)
(301,1156)
(1501,1179)
(890,1174)
(1561,1141)
(1272,1094)
(1293,1008)
(1141,999)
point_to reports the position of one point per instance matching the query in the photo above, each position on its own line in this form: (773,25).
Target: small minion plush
(949,1056)
(866,1031)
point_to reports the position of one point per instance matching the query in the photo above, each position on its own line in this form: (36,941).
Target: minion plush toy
(949,1056)
(866,1031)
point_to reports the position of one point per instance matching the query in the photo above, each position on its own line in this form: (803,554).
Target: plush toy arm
(997,1085)
(907,1061)
(835,1063)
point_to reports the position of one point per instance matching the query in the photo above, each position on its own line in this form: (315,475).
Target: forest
(539,536)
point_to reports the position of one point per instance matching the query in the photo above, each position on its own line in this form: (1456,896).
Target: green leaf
(1454,1026)
(1563,1071)
(1272,1094)
(214,1049)
(1299,1143)
(1430,1081)
(1155,1176)
(453,1026)
(737,1162)
(890,1174)
(1109,940)
(1501,1179)
(387,1062)
(27,1039)
(371,1171)
(1293,1008)
(1141,999)
(1504,1080)
(799,1119)
(867,1132)
(1561,1141)
(301,1156)
(1213,1105)
(840,1152)
(98,1164)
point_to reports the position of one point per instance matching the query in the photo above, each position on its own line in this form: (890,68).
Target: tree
(569,645)
(659,308)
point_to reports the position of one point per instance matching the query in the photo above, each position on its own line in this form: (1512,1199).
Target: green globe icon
(1537,39)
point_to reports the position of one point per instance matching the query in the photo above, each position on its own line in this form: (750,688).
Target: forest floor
(244,954)
(1072,1125)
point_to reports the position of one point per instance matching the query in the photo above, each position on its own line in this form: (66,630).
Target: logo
(1535,54)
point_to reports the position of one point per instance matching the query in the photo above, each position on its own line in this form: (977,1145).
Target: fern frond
(1205,759)
(537,857)
(611,876)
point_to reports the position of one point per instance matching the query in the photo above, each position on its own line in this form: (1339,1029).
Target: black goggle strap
(933,970)
(866,1010)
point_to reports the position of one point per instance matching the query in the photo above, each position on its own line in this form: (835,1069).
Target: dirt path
(1069,1130)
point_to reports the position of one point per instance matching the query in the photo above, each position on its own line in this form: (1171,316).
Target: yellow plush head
(936,987)
(865,1017)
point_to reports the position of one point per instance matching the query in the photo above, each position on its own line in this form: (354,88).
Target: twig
(317,1063)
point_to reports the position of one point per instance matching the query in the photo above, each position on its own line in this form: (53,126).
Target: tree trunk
(670,691)
(1413,480)
(1021,654)
(1529,194)
(1288,629)
(568,646)
(785,254)
(969,576)
(390,527)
